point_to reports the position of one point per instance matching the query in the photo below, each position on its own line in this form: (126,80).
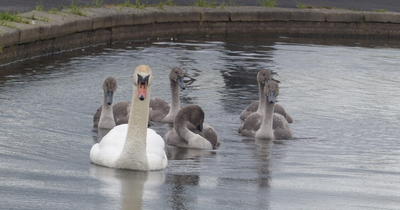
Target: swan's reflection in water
(126,186)
(180,192)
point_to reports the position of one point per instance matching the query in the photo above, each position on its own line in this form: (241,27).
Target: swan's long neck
(135,143)
(106,116)
(261,105)
(266,130)
(175,101)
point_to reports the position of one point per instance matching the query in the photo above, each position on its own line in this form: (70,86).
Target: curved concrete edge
(54,32)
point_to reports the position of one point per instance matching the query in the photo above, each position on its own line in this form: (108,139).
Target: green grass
(268,3)
(222,5)
(1,49)
(379,10)
(204,3)
(232,3)
(136,5)
(53,11)
(7,17)
(170,3)
(161,4)
(44,19)
(303,6)
(39,7)
(97,4)
(76,10)
(200,3)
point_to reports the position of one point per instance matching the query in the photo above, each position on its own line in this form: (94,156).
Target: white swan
(133,145)
(263,76)
(108,115)
(190,131)
(162,111)
(270,125)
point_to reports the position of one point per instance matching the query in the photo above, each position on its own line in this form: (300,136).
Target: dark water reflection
(342,94)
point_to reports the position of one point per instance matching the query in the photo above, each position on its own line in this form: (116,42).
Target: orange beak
(142,90)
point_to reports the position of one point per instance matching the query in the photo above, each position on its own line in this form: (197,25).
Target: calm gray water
(343,95)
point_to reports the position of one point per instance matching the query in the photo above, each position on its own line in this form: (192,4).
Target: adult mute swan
(271,125)
(109,115)
(133,145)
(263,76)
(190,131)
(162,111)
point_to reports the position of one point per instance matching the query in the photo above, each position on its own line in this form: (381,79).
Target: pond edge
(49,33)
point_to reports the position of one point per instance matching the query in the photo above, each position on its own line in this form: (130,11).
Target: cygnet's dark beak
(181,83)
(271,97)
(110,94)
(200,127)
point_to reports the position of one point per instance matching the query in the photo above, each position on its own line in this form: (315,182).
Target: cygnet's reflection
(99,133)
(176,153)
(262,151)
(126,185)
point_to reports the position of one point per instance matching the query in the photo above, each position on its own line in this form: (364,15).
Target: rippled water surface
(343,95)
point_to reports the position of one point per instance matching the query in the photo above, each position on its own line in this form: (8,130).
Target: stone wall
(52,33)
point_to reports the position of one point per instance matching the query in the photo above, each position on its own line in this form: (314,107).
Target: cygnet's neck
(175,101)
(261,104)
(182,130)
(266,130)
(107,116)
(193,140)
(134,155)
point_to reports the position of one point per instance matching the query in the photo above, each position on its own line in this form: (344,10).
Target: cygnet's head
(142,78)
(263,76)
(271,90)
(176,75)
(193,114)
(109,88)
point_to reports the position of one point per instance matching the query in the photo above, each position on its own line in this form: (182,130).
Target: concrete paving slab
(103,17)
(382,17)
(177,14)
(250,13)
(59,24)
(8,36)
(308,15)
(214,14)
(338,15)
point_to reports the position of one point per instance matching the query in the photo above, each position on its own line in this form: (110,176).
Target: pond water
(343,95)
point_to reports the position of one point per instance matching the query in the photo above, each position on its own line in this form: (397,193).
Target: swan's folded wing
(281,127)
(157,103)
(280,110)
(158,109)
(249,110)
(208,133)
(251,125)
(155,151)
(121,112)
(108,150)
(96,117)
